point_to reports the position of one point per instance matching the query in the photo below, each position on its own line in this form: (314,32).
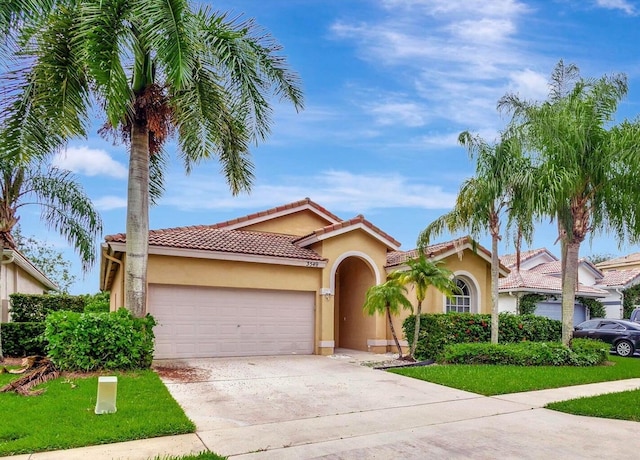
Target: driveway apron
(301,407)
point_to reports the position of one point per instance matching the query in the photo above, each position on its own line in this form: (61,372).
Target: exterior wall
(15,279)
(586,276)
(299,223)
(337,249)
(507,303)
(619,266)
(613,305)
(116,299)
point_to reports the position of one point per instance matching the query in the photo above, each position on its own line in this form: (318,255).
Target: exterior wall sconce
(326,293)
(107,391)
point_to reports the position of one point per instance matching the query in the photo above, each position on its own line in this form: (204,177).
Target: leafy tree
(157,69)
(596,307)
(387,298)
(595,259)
(47,259)
(97,303)
(422,273)
(586,166)
(483,201)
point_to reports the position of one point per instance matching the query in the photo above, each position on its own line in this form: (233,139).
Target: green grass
(200,456)
(622,406)
(491,380)
(63,417)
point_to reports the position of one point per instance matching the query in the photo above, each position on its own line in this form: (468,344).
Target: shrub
(23,339)
(524,354)
(36,307)
(441,329)
(97,303)
(92,341)
(590,351)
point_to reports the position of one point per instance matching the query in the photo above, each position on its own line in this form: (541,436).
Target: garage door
(553,310)
(203,322)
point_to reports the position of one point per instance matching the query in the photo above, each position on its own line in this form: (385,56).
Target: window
(461,300)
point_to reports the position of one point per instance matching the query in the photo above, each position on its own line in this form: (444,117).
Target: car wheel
(624,348)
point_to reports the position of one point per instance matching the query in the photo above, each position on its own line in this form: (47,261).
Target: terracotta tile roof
(548,268)
(529,281)
(395,258)
(620,277)
(209,238)
(509,260)
(277,210)
(359,219)
(628,259)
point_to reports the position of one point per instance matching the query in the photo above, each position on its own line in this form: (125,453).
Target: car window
(588,324)
(611,326)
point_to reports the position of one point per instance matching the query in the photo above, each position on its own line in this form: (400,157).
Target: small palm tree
(422,273)
(388,298)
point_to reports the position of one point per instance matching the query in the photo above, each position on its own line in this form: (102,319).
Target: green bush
(97,303)
(441,329)
(23,339)
(92,341)
(525,354)
(590,351)
(26,308)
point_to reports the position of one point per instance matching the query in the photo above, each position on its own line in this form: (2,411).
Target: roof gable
(263,220)
(357,223)
(16,257)
(529,281)
(529,259)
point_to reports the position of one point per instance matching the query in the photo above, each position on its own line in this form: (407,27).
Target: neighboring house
(541,273)
(291,279)
(629,262)
(19,275)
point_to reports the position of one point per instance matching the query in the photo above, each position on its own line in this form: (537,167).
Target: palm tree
(156,68)
(482,202)
(387,298)
(422,273)
(587,167)
(65,208)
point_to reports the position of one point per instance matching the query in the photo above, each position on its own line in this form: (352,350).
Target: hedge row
(583,352)
(94,341)
(442,329)
(28,308)
(23,339)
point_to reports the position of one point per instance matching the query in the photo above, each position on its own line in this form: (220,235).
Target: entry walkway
(301,407)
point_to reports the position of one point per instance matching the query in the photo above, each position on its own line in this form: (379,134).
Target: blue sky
(389,85)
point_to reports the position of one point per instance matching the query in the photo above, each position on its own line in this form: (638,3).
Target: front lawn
(492,380)
(622,406)
(63,417)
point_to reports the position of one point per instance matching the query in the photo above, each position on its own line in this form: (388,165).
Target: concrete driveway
(300,407)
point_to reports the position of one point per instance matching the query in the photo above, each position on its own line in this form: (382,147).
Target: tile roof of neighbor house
(276,210)
(548,268)
(359,219)
(209,238)
(509,260)
(529,281)
(628,259)
(622,278)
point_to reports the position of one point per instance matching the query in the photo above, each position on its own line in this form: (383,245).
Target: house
(291,279)
(18,274)
(628,262)
(541,272)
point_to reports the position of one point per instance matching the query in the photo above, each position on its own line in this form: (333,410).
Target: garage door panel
(210,322)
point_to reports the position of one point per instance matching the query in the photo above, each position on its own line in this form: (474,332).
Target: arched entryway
(352,328)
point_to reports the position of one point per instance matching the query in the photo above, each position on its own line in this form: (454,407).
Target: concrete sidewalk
(320,407)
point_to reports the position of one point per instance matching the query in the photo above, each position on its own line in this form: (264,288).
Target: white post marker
(107,391)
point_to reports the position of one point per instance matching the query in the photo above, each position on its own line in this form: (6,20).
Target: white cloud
(529,84)
(404,113)
(623,5)
(90,162)
(109,202)
(337,190)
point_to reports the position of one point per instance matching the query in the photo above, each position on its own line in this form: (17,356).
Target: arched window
(461,300)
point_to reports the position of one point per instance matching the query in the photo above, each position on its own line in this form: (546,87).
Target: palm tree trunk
(495,262)
(569,283)
(137,222)
(393,332)
(416,330)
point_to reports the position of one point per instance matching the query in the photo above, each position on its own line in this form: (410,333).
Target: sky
(388,85)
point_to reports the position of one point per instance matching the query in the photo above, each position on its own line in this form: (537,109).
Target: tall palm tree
(157,68)
(422,273)
(482,202)
(587,166)
(65,208)
(388,298)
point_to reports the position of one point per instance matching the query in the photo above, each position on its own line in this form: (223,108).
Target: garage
(205,322)
(553,310)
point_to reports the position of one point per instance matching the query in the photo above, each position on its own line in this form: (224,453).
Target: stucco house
(540,273)
(291,279)
(18,274)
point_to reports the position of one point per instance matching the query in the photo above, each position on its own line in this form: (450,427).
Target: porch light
(107,391)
